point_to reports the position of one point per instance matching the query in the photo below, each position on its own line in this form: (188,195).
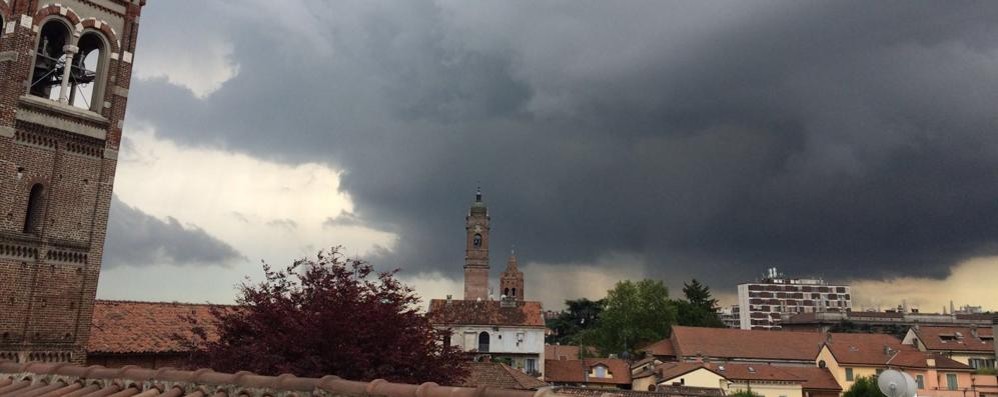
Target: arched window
(35,211)
(477,240)
(88,64)
(514,291)
(483,342)
(505,292)
(50,59)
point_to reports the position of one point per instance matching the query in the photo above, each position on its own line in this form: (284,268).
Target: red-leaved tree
(329,316)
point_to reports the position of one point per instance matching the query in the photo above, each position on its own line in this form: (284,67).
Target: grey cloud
(852,139)
(135,238)
(343,219)
(287,224)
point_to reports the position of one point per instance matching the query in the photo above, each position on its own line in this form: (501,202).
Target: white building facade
(764,303)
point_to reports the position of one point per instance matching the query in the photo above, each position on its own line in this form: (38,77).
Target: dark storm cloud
(714,139)
(135,238)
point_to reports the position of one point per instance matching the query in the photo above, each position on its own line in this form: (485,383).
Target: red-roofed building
(851,356)
(974,346)
(762,379)
(499,376)
(143,333)
(741,346)
(593,372)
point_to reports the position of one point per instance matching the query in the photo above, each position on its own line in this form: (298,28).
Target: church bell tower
(476,258)
(65,68)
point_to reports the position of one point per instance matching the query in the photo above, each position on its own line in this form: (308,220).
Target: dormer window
(600,371)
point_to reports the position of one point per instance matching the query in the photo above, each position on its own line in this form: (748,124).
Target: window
(514,291)
(979,363)
(849,374)
(83,87)
(600,371)
(35,210)
(920,381)
(531,365)
(951,382)
(50,59)
(483,342)
(477,241)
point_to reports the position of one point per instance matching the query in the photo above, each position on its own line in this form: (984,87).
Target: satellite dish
(894,383)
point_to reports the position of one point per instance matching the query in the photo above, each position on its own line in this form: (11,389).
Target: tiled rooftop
(864,349)
(661,348)
(486,312)
(815,378)
(956,338)
(64,380)
(722,343)
(575,371)
(663,391)
(498,375)
(142,327)
(561,352)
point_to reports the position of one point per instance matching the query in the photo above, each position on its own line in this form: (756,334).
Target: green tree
(579,315)
(634,314)
(864,387)
(699,309)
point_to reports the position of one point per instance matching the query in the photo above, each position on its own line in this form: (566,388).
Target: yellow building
(762,379)
(973,346)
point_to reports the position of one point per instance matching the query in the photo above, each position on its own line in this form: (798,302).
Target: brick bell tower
(511,281)
(65,68)
(476,258)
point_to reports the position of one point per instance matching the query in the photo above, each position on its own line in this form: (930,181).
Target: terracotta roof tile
(728,343)
(864,349)
(919,359)
(661,348)
(469,312)
(498,375)
(51,380)
(575,371)
(663,391)
(956,338)
(815,378)
(560,352)
(142,327)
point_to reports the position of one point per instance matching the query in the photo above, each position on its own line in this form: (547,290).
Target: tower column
(476,259)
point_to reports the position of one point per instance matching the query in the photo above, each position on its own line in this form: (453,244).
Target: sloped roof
(864,349)
(662,391)
(661,348)
(919,359)
(143,327)
(734,372)
(575,371)
(486,312)
(956,338)
(556,352)
(746,344)
(52,380)
(499,376)
(815,378)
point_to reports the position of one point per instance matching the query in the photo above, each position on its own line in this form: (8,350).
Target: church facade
(508,329)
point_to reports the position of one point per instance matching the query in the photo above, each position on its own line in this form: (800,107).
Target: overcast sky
(848,140)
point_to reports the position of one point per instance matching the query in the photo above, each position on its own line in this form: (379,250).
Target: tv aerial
(894,383)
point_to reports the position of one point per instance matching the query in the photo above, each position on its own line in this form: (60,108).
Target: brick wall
(49,276)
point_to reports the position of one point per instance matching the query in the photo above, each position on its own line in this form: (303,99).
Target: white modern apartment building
(763,304)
